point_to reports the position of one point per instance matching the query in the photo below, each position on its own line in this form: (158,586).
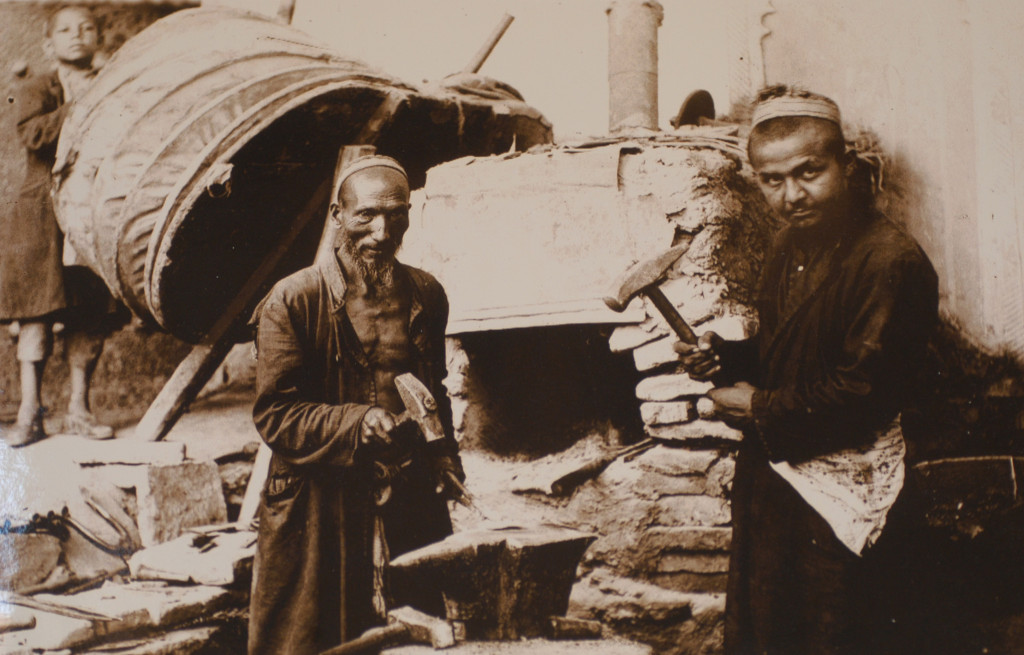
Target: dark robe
(313,585)
(31,272)
(834,361)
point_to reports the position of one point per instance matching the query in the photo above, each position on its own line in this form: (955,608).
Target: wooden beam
(197,367)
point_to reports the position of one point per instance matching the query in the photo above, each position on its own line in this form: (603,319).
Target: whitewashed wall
(940,82)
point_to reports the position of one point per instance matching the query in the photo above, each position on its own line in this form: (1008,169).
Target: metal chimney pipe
(633,64)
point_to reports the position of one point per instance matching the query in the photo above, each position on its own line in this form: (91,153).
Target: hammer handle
(372,641)
(671,314)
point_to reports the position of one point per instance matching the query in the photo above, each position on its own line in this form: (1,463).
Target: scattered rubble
(108,547)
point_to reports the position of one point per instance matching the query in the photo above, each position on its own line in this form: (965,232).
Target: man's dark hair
(51,17)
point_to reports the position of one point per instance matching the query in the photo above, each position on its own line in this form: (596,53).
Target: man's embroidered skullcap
(361,164)
(813,106)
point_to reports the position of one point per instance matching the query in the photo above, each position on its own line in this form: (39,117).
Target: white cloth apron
(853,490)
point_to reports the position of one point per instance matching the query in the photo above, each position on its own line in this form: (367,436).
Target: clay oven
(527,245)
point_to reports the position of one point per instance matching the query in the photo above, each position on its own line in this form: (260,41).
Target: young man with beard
(848,301)
(40,281)
(331,340)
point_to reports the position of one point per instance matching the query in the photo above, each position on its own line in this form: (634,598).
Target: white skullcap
(361,164)
(787,105)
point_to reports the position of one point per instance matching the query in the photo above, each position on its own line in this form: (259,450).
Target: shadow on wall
(971,399)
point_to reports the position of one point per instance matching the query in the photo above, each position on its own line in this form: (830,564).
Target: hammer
(405,625)
(644,278)
(421,409)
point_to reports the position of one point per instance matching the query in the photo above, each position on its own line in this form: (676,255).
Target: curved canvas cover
(211,130)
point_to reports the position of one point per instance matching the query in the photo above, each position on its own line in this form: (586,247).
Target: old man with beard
(331,340)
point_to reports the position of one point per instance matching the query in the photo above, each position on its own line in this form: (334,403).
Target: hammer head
(642,275)
(420,406)
(423,628)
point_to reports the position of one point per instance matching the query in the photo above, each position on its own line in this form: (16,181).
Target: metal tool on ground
(568,483)
(405,625)
(643,278)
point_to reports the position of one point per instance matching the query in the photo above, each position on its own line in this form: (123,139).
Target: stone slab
(213,558)
(670,387)
(705,408)
(703,563)
(655,413)
(27,559)
(628,337)
(694,297)
(720,476)
(695,430)
(675,511)
(14,618)
(174,498)
(178,642)
(653,486)
(671,620)
(613,600)
(136,605)
(656,354)
(688,538)
(692,583)
(678,461)
(51,632)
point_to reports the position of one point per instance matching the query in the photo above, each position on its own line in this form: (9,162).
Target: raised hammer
(644,278)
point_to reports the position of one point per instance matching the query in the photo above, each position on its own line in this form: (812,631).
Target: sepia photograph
(512,327)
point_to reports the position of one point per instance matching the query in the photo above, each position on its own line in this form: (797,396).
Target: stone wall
(658,569)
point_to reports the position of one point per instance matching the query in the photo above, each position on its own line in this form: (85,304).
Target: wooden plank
(89,452)
(22,620)
(258,477)
(197,367)
(212,558)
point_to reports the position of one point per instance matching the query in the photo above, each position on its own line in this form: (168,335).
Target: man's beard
(378,274)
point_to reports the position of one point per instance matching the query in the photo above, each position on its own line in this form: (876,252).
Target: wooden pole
(195,370)
(484,52)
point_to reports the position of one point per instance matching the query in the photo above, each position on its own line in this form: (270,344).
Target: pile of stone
(120,544)
(577,215)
